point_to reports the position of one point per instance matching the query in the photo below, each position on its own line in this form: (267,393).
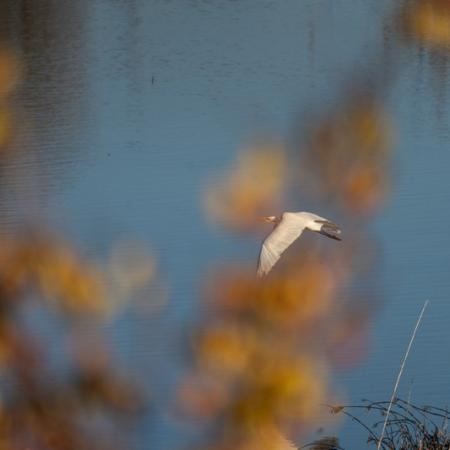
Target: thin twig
(397,382)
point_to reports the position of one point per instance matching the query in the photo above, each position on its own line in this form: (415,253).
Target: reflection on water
(125,116)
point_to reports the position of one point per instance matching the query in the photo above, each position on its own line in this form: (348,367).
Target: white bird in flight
(288,227)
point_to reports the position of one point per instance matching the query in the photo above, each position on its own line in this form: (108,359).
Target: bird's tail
(330,229)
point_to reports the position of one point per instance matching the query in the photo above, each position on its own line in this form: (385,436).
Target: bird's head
(271,219)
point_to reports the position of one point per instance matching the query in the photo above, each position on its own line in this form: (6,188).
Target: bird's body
(288,227)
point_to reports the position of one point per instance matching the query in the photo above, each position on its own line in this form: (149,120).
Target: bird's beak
(271,219)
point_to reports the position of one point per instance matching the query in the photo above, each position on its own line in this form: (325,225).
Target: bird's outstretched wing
(281,237)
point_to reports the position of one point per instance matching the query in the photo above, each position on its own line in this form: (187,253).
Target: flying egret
(288,227)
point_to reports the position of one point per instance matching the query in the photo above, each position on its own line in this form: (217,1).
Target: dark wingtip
(331,232)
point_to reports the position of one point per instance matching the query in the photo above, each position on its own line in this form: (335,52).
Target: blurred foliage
(252,187)
(89,403)
(428,23)
(347,157)
(41,409)
(265,350)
